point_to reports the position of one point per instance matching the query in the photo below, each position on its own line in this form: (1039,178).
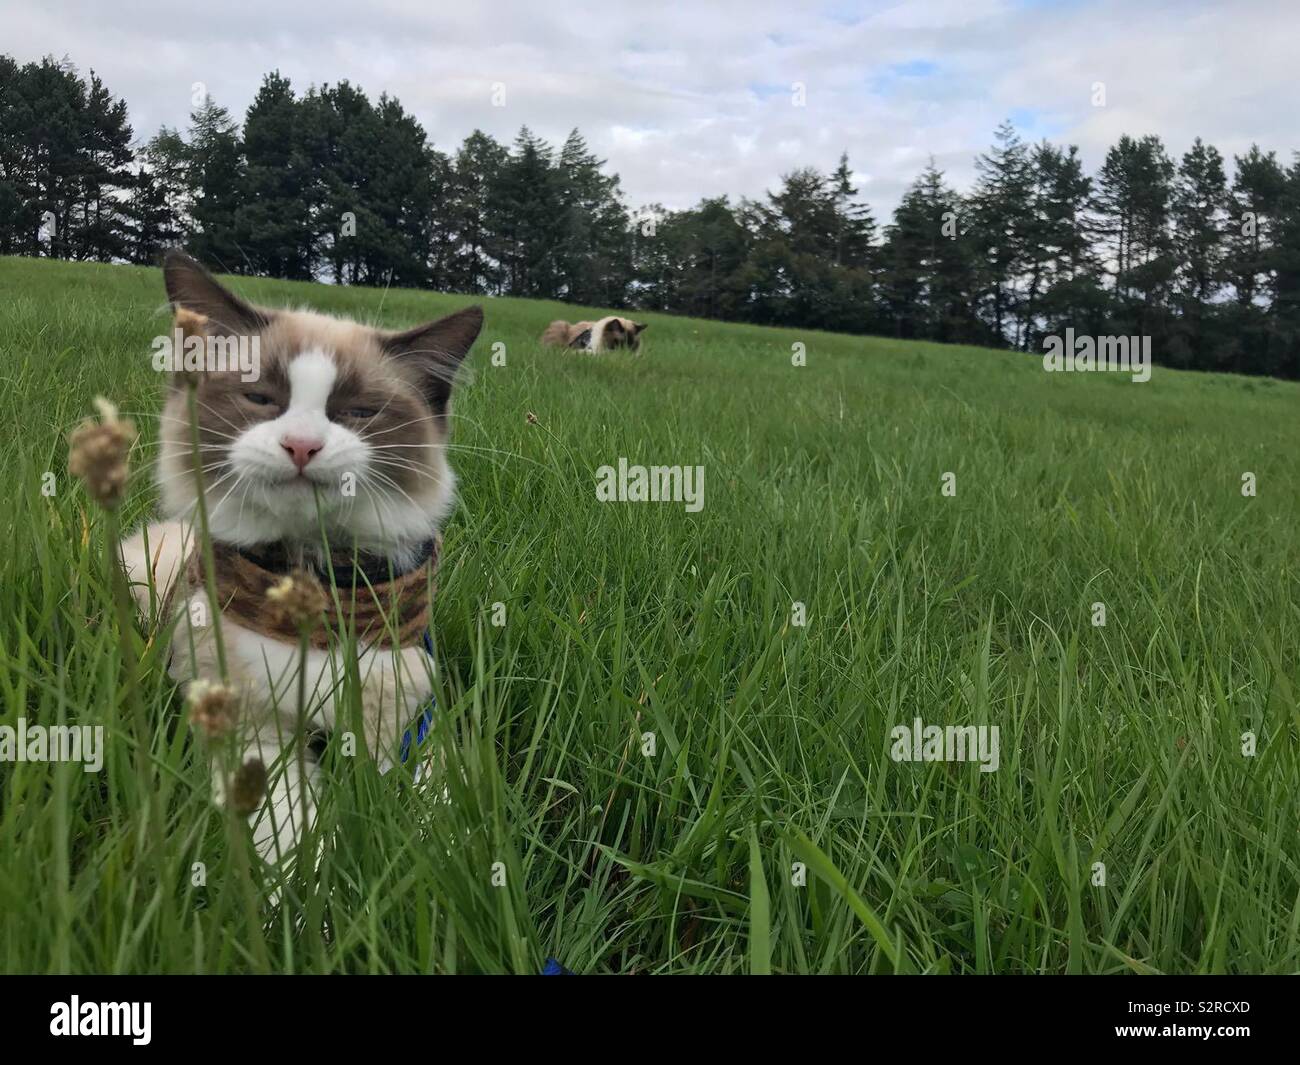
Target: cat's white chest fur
(393,684)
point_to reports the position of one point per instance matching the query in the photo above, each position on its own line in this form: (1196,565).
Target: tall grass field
(674,753)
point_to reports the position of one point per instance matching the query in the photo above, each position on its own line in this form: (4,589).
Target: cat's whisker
(219,482)
(397,469)
(137,471)
(410,465)
(387,404)
(202,446)
(210,410)
(470,448)
(211,467)
(447,414)
(384,478)
(248,486)
(395,428)
(165,417)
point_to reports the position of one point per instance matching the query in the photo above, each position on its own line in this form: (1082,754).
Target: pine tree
(527,196)
(1286,260)
(1200,197)
(593,249)
(279,187)
(65,163)
(1001,221)
(1134,191)
(214,186)
(159,205)
(475,215)
(440,228)
(403,195)
(1257,191)
(102,228)
(855,227)
(1063,283)
(19,218)
(930,270)
(697,262)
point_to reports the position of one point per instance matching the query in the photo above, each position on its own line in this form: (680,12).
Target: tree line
(1202,257)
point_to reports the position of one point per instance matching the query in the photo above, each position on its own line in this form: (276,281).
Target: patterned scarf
(365,594)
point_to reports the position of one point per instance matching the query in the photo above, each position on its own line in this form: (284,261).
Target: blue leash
(424,722)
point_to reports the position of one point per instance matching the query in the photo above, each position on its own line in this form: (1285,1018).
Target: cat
(603,335)
(341,437)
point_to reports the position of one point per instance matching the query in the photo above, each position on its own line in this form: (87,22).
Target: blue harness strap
(424,722)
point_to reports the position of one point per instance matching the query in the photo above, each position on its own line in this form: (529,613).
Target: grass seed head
(248,788)
(299,598)
(98,454)
(213,707)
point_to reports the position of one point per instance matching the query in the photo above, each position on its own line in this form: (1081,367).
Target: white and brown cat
(340,440)
(604,334)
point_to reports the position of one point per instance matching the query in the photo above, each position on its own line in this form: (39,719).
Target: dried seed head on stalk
(248,787)
(213,707)
(190,324)
(299,599)
(98,454)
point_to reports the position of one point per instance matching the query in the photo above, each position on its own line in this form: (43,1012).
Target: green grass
(1120,744)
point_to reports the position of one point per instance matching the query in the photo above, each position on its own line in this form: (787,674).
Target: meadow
(1124,830)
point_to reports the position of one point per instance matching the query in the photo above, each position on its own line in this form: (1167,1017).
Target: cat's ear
(193,291)
(437,350)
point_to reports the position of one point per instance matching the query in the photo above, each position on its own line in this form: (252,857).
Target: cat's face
(343,427)
(614,332)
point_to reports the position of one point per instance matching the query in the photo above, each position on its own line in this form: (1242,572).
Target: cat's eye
(259,399)
(360,413)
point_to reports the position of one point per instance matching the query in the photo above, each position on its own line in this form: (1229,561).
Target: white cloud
(687,100)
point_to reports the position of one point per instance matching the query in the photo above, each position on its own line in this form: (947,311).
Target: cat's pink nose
(301,449)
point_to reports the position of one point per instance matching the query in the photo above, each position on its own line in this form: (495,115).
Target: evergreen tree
(20,220)
(527,195)
(1257,191)
(811,253)
(440,227)
(279,191)
(475,215)
(695,262)
(65,163)
(1063,285)
(1286,260)
(402,195)
(855,227)
(214,186)
(159,205)
(1134,191)
(593,250)
(1001,220)
(1200,198)
(930,274)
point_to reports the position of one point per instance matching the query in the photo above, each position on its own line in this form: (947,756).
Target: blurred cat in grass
(605,334)
(326,483)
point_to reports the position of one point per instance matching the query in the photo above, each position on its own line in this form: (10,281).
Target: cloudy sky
(687,99)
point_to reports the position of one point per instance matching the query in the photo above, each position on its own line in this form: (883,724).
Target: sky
(691,99)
